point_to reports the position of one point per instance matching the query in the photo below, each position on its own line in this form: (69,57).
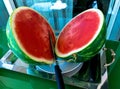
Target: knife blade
(58,72)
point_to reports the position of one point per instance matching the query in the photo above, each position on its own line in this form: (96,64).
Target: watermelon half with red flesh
(28,36)
(82,37)
(29,33)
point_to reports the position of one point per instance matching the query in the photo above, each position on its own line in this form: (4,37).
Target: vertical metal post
(9,4)
(113,17)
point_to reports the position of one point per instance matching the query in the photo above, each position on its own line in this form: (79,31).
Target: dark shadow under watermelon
(90,71)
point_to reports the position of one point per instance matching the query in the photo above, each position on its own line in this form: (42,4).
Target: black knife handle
(59,78)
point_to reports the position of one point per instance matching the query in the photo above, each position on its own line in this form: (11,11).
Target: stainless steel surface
(68,69)
(22,67)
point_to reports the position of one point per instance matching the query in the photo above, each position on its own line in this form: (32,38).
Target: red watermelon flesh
(79,33)
(31,32)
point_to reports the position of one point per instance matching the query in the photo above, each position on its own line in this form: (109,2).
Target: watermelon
(28,36)
(82,37)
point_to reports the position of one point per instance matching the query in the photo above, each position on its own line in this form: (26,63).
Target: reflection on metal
(8,57)
(112,55)
(105,75)
(103,80)
(4,58)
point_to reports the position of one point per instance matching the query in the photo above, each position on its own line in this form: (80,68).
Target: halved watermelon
(82,37)
(28,36)
(29,33)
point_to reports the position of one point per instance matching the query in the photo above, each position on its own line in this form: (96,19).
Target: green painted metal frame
(114,69)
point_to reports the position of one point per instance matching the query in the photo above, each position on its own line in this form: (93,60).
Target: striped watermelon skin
(90,50)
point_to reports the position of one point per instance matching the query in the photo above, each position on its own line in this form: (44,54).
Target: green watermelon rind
(86,53)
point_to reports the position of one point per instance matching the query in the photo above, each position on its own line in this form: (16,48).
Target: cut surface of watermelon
(80,33)
(31,34)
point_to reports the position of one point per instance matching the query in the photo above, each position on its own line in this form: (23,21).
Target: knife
(58,72)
